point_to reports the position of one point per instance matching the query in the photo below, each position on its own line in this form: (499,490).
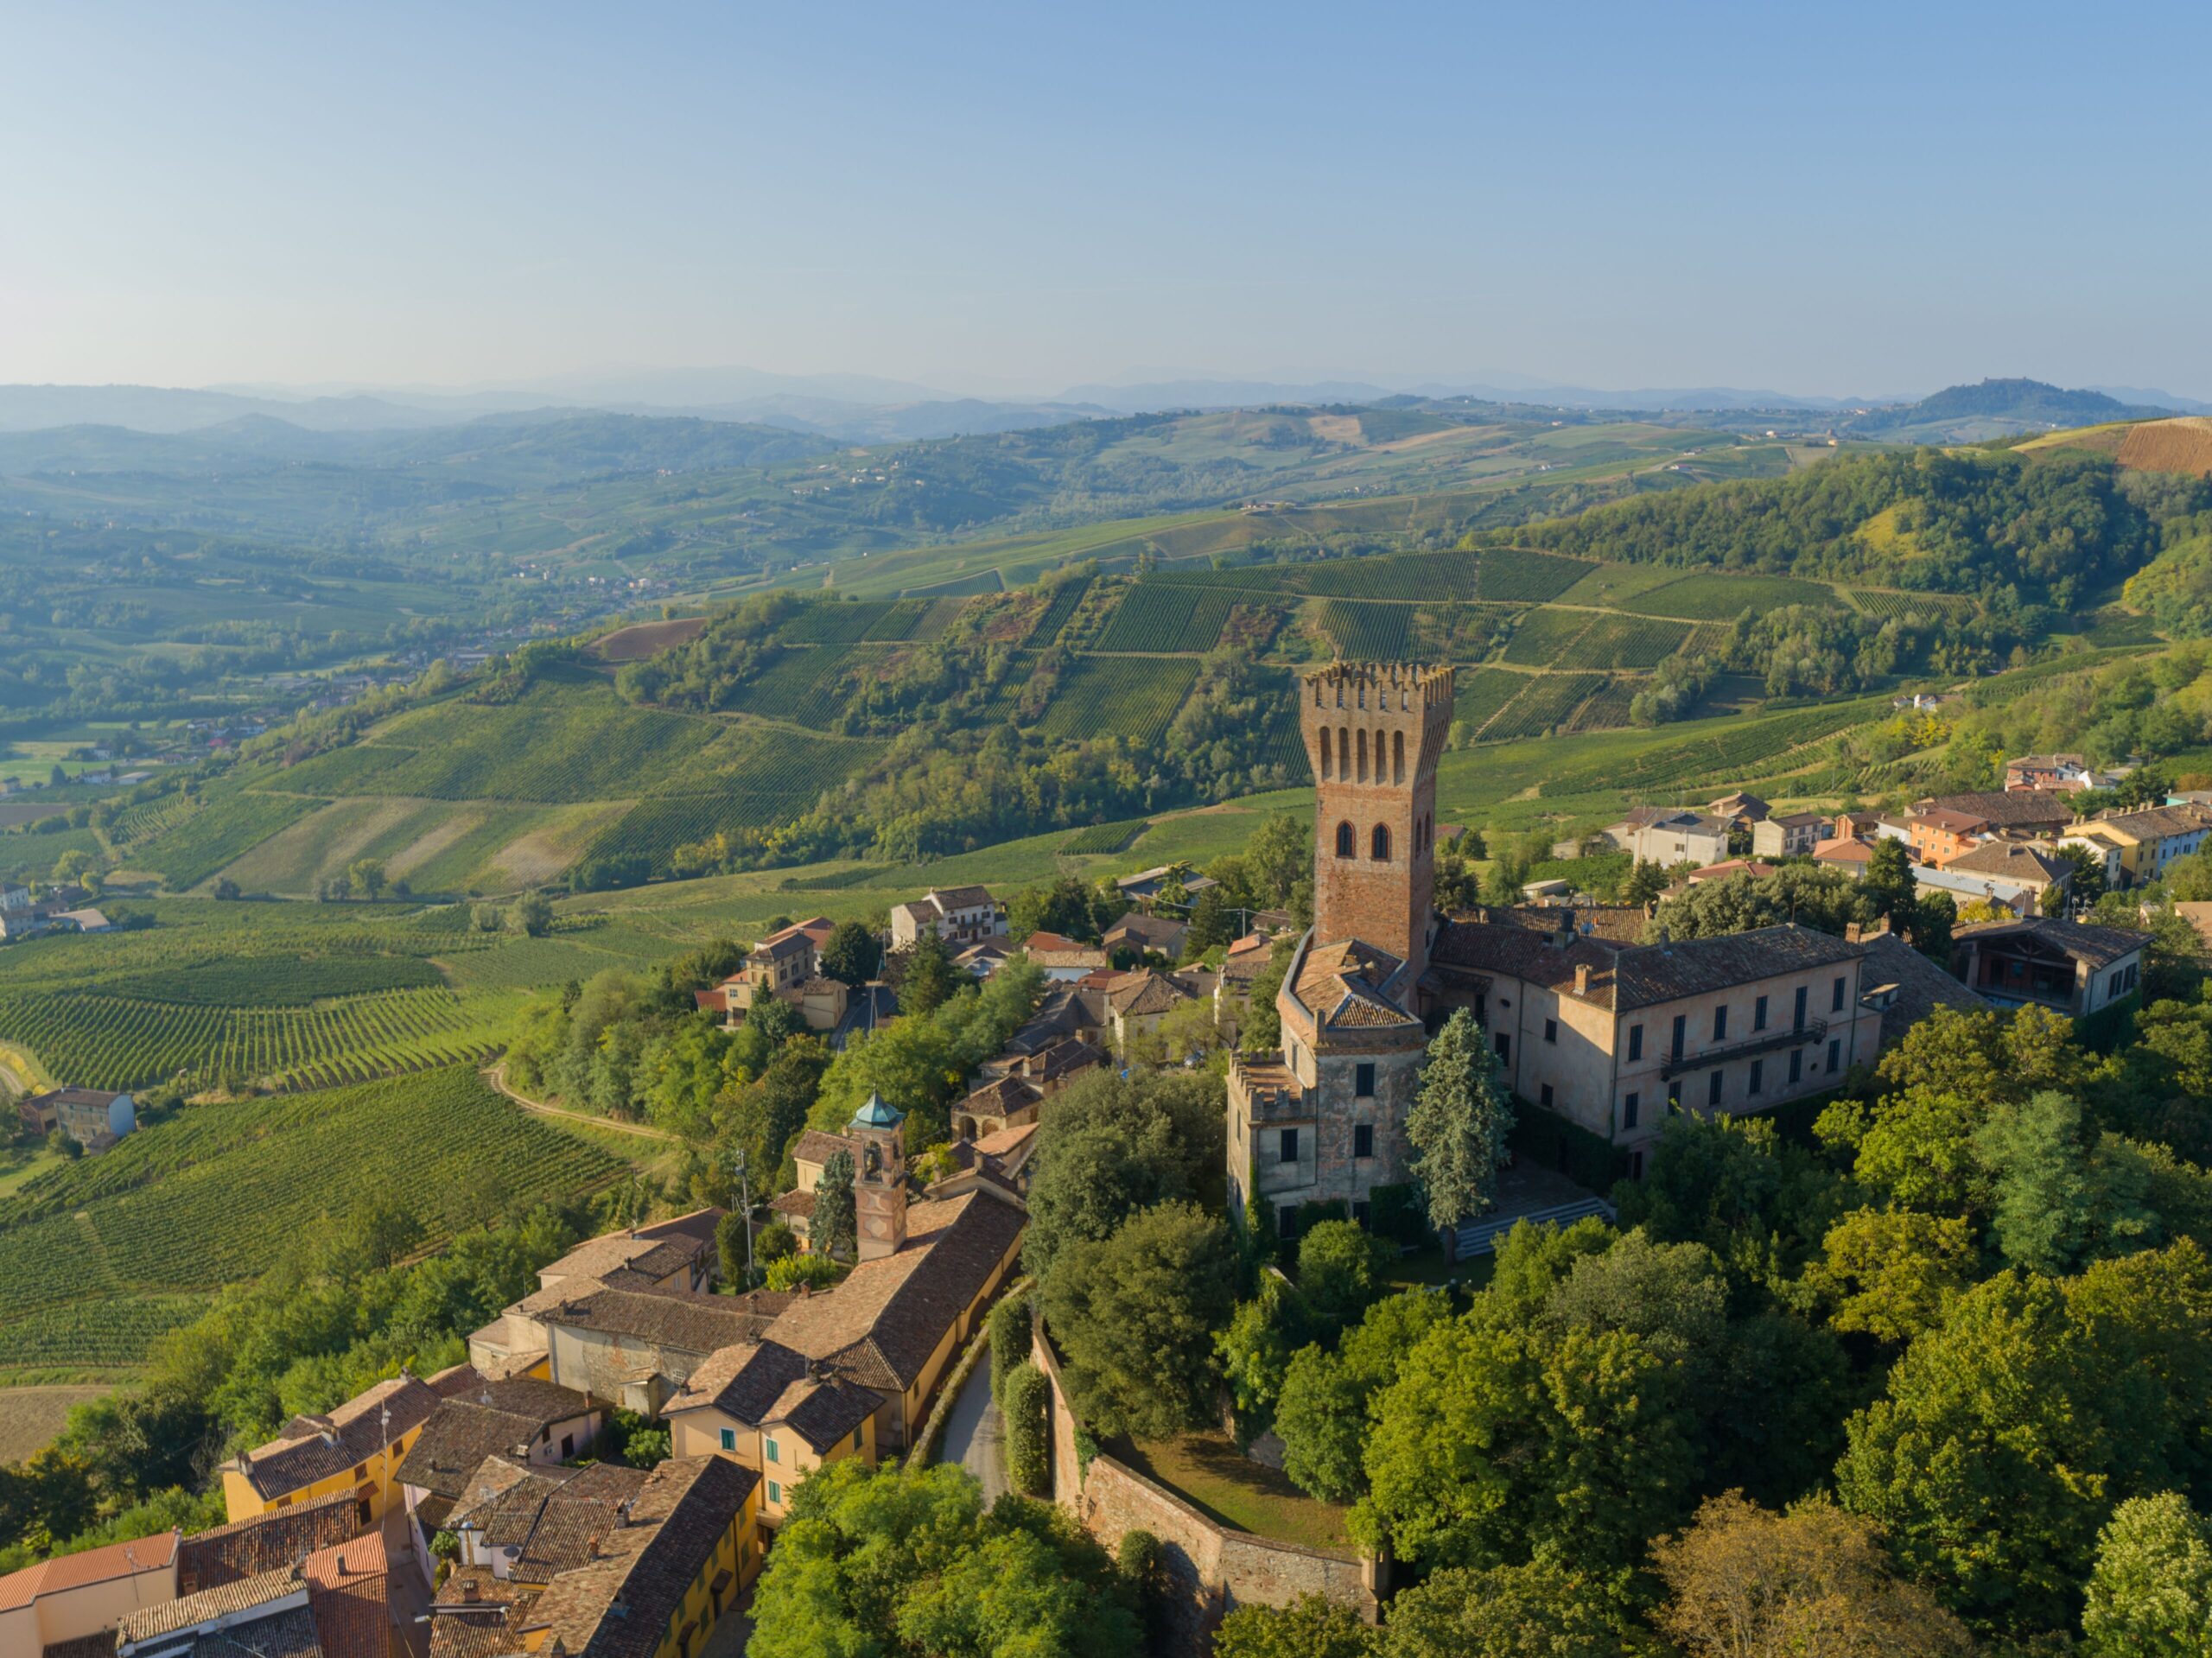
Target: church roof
(876,1115)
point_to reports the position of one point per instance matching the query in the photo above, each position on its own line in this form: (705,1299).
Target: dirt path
(497,1075)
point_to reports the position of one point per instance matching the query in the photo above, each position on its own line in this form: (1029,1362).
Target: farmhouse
(961,914)
(92,1117)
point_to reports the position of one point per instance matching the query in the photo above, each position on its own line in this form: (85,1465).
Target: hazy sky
(1836,198)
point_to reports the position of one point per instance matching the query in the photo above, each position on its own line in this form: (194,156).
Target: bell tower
(1374,732)
(879,1135)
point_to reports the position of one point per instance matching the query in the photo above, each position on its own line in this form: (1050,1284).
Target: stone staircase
(1480,1237)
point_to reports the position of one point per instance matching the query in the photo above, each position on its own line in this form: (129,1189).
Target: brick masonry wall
(1212,1570)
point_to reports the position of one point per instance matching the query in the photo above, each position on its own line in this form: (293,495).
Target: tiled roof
(347,1595)
(479,1615)
(549,1513)
(793,1202)
(2005,807)
(1137,996)
(1062,1058)
(683,1320)
(1153,931)
(1952,820)
(91,1098)
(2009,860)
(1350,984)
(246,1548)
(1053,943)
(91,1565)
(1852,851)
(742,1381)
(656,1251)
(961,897)
(223,1600)
(814,1146)
(1000,1098)
(1006,1140)
(2159,822)
(822,1410)
(495,1417)
(625,1604)
(1660,973)
(2098,946)
(880,1324)
(315,1448)
(1922,986)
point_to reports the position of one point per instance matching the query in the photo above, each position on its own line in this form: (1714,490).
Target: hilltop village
(608,1472)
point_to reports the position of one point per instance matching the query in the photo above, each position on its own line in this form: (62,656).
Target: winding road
(975,1435)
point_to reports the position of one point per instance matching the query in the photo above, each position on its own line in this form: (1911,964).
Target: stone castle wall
(1211,1569)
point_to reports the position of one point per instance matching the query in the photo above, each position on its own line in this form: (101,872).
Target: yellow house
(74,1597)
(357,1447)
(774,1413)
(657,1584)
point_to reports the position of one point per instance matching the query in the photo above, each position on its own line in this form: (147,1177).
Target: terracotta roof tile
(315,1448)
(65,1571)
(246,1548)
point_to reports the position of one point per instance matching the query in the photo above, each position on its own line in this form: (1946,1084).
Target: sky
(1845,199)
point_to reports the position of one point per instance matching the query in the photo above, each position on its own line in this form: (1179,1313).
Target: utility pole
(745,1201)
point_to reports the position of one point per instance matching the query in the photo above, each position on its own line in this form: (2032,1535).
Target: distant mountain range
(862,410)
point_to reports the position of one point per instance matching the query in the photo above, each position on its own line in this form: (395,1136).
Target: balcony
(1812,1030)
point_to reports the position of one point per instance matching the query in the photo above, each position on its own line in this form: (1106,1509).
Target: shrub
(1027,1405)
(1397,1213)
(1007,1329)
(813,1270)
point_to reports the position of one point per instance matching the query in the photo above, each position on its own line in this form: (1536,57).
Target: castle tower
(1374,732)
(879,1178)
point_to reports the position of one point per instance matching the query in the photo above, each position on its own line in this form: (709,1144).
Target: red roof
(66,1572)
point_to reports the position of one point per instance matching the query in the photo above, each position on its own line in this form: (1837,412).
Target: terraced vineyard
(1547,703)
(99,1257)
(1723,598)
(1160,618)
(1508,574)
(1481,692)
(1064,600)
(1104,837)
(221,830)
(125,1042)
(1129,697)
(1624,642)
(1372,631)
(1541,636)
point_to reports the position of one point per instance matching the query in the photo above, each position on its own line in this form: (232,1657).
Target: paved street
(974,1437)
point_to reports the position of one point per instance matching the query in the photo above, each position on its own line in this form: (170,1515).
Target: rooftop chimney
(471,1592)
(1582,978)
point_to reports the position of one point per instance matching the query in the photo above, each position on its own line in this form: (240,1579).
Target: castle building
(1323,1121)
(1609,1034)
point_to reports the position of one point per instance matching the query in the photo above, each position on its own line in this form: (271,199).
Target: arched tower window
(1325,751)
(1379,844)
(1397,757)
(1363,753)
(1344,845)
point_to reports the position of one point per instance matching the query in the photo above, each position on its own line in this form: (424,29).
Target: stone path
(975,1435)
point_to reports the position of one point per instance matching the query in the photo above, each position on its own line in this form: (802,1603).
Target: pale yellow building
(357,1446)
(74,1595)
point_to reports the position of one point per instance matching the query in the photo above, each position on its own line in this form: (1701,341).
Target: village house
(1940,834)
(656,1584)
(2136,847)
(525,1523)
(1740,810)
(1144,887)
(529,1418)
(960,915)
(1248,958)
(1062,959)
(2012,815)
(1848,854)
(1670,835)
(334,1602)
(13,897)
(927,1270)
(2071,967)
(355,1447)
(1137,934)
(1795,835)
(2013,873)
(777,1413)
(246,1549)
(75,1597)
(2061,773)
(1137,1002)
(786,965)
(674,1254)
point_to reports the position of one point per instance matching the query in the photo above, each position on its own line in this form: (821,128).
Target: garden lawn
(1208,1471)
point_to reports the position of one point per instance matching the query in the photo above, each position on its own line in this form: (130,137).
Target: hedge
(1007,1327)
(1028,1407)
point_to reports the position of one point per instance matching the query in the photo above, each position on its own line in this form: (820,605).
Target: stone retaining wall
(1212,1569)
